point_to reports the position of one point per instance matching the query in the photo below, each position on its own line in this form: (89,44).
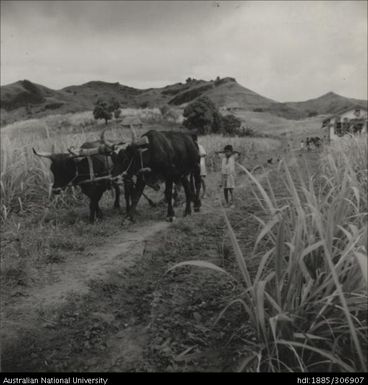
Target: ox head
(63,168)
(102,146)
(130,160)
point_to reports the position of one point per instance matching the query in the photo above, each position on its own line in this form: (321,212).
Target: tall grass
(265,122)
(25,179)
(251,149)
(307,302)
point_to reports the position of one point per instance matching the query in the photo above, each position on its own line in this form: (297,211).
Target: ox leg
(94,193)
(137,193)
(117,196)
(98,196)
(128,192)
(188,196)
(170,210)
(92,210)
(99,214)
(175,196)
(127,195)
(166,194)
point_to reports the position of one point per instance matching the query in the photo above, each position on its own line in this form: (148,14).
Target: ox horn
(84,152)
(102,137)
(71,151)
(42,154)
(134,134)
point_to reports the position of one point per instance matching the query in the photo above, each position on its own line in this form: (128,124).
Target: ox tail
(192,187)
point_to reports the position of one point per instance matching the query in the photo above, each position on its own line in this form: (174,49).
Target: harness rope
(95,178)
(91,174)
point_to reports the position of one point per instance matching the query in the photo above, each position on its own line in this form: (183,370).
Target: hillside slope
(24,99)
(330,103)
(25,93)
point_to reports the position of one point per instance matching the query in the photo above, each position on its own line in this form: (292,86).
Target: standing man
(202,154)
(228,173)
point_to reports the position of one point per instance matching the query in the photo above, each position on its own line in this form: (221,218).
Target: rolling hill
(330,103)
(24,99)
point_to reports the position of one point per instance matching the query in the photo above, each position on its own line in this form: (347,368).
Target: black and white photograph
(183,188)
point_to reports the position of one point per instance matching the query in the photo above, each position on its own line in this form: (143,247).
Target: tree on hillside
(104,110)
(202,115)
(231,124)
(101,111)
(312,113)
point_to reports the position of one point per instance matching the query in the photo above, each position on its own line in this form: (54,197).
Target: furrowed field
(277,284)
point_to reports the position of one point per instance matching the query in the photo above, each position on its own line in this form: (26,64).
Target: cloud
(283,50)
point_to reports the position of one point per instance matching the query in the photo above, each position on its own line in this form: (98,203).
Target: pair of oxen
(156,156)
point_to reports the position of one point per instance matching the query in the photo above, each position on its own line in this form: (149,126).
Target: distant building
(350,120)
(131,121)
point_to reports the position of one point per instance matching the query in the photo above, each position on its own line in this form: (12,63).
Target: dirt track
(96,315)
(119,253)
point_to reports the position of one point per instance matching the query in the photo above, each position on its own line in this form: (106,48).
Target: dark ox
(72,169)
(161,156)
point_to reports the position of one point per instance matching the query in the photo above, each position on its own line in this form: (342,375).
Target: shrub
(104,110)
(203,115)
(101,111)
(230,125)
(144,105)
(247,132)
(312,113)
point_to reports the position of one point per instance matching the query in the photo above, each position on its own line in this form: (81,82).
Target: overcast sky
(287,51)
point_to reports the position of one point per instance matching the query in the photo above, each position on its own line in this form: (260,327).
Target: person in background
(308,144)
(229,157)
(202,154)
(302,145)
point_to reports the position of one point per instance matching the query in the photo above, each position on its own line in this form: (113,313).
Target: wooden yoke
(100,150)
(88,153)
